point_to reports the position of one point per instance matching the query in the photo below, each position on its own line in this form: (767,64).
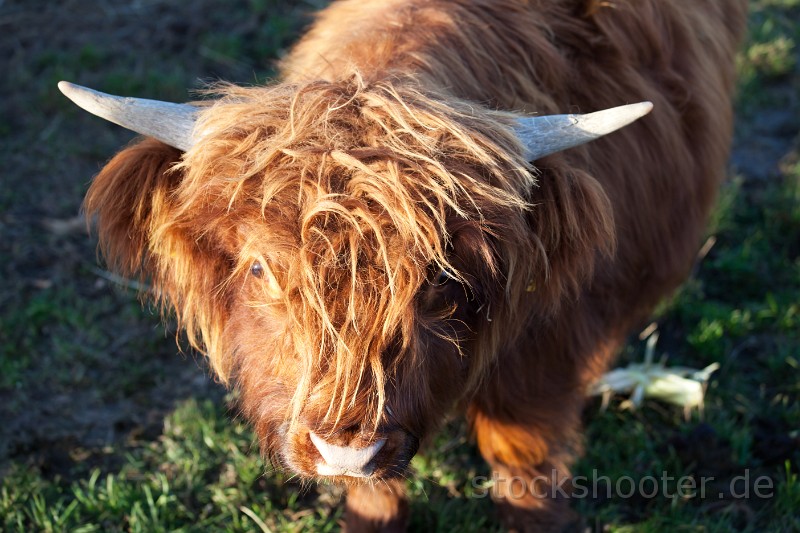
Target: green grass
(203,471)
(201,475)
(772,51)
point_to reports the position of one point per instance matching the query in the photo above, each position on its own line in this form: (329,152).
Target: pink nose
(344,460)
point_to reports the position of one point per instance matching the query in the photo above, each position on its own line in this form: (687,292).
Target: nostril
(345,460)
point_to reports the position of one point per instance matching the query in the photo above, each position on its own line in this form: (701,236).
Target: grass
(176,459)
(200,475)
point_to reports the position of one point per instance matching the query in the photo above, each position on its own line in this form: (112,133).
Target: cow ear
(125,198)
(146,233)
(573,221)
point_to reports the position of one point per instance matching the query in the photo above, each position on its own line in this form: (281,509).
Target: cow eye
(443,277)
(257,269)
(262,271)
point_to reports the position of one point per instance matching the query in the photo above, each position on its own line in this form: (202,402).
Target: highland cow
(397,227)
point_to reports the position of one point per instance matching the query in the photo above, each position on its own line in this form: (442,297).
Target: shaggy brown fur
(302,242)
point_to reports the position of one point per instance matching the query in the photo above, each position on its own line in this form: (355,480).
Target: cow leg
(526,420)
(379,507)
(530,473)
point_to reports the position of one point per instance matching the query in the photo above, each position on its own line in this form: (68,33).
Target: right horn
(172,124)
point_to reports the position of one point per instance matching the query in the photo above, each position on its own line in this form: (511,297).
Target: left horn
(172,124)
(549,134)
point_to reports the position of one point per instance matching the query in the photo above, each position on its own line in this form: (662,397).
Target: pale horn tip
(82,96)
(65,86)
(609,120)
(70,90)
(643,108)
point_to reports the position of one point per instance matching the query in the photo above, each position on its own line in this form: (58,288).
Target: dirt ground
(85,369)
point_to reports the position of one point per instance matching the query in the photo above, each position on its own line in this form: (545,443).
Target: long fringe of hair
(349,189)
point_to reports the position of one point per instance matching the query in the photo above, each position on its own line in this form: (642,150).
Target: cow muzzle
(345,460)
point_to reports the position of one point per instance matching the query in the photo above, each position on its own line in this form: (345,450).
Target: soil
(89,372)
